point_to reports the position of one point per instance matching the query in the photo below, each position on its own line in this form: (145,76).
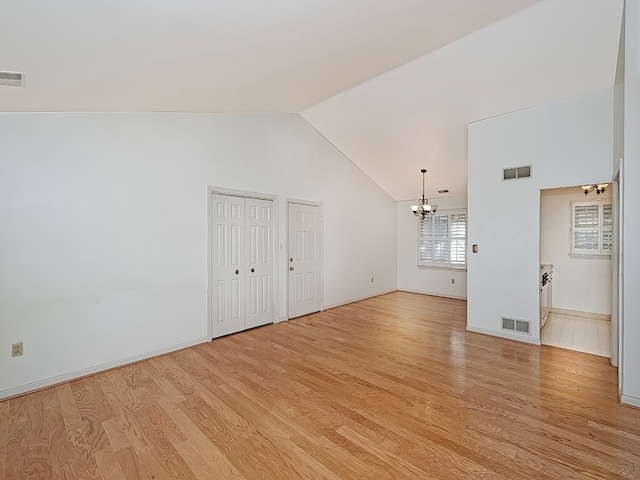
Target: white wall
(631,220)
(578,283)
(429,280)
(568,143)
(103,229)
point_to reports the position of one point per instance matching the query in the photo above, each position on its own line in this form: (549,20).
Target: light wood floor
(387,388)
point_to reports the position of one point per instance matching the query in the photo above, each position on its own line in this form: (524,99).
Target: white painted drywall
(103,228)
(631,220)
(578,284)
(568,143)
(429,280)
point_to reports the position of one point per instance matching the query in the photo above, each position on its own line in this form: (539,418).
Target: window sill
(443,267)
(589,257)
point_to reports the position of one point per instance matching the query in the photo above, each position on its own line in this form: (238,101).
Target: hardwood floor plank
(391,388)
(109,465)
(4,437)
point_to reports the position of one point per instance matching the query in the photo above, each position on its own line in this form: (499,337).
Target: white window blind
(592,227)
(443,239)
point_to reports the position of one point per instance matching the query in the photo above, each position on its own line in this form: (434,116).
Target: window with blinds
(592,228)
(443,239)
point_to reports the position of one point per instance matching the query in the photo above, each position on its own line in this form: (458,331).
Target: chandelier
(423,208)
(599,188)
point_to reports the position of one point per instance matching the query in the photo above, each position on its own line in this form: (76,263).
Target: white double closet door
(242,264)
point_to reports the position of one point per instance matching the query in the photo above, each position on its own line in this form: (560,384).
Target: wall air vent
(12,79)
(516,326)
(513,173)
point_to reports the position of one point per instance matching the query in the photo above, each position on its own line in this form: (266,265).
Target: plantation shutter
(443,239)
(458,234)
(607,227)
(592,228)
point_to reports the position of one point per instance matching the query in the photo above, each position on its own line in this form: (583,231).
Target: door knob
(237,272)
(253,270)
(291,259)
(291,268)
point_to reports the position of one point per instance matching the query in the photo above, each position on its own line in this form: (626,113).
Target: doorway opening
(576,245)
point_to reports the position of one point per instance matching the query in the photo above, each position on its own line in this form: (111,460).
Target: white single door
(304,259)
(259,265)
(227,288)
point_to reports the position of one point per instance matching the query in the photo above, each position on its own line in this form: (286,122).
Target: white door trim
(617,324)
(286,249)
(211,190)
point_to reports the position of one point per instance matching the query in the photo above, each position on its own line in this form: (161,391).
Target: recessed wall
(428,280)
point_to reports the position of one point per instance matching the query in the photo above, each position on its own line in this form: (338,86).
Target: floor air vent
(516,326)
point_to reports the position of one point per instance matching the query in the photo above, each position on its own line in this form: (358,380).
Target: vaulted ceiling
(392,83)
(416,116)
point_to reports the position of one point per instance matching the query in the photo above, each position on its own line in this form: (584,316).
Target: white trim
(66,377)
(320,205)
(576,313)
(444,267)
(506,335)
(586,256)
(336,305)
(432,294)
(211,190)
(629,400)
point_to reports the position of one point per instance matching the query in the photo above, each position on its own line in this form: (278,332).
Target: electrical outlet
(16,349)
(453,281)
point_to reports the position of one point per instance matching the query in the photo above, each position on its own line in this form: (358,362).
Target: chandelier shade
(423,208)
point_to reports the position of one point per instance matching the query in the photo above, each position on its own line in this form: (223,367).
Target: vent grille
(513,173)
(12,79)
(516,326)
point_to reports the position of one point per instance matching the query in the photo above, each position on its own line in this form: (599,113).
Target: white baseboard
(334,305)
(629,400)
(507,335)
(433,294)
(66,377)
(576,313)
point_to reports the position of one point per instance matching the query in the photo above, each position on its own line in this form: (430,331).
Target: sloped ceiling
(467,60)
(416,116)
(218,55)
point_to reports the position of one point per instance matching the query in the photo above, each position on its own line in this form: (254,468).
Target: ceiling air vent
(516,326)
(513,173)
(12,79)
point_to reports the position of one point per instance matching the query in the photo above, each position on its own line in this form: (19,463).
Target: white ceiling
(416,116)
(218,55)
(468,60)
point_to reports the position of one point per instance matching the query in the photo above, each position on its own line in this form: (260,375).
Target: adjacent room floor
(392,387)
(578,333)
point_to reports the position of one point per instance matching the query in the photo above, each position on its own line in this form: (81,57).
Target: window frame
(601,252)
(450,240)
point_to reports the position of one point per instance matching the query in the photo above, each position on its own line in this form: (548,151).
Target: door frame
(289,201)
(212,190)
(617,271)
